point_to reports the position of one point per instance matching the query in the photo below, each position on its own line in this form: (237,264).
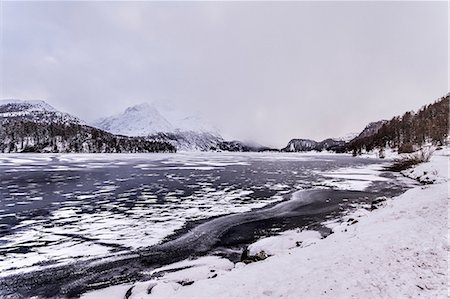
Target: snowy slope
(35,111)
(189,140)
(398,251)
(183,121)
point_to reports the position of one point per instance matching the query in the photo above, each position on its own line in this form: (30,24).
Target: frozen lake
(55,208)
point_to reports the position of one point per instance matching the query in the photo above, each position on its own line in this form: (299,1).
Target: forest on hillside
(29,136)
(409,131)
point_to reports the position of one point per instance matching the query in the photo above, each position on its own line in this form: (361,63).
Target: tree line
(29,136)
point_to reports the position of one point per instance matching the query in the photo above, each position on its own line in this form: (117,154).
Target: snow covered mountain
(147,119)
(139,120)
(36,111)
(159,123)
(35,126)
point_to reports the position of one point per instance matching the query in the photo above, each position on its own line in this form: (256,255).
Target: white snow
(284,242)
(193,270)
(397,251)
(387,153)
(110,292)
(429,172)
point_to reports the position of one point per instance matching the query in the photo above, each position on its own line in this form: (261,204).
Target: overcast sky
(261,71)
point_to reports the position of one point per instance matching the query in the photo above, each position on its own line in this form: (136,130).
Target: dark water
(57,210)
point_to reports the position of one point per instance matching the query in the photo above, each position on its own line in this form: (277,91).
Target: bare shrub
(406,148)
(410,160)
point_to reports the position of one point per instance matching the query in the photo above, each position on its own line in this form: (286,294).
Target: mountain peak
(140,107)
(34,105)
(149,118)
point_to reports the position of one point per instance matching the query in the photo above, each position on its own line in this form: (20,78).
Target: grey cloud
(265,71)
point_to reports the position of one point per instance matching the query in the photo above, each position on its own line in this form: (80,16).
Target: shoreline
(358,246)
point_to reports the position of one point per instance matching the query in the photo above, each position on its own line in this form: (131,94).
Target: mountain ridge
(406,133)
(35,110)
(35,125)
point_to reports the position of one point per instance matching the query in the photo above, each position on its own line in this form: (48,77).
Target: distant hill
(239,146)
(35,126)
(305,145)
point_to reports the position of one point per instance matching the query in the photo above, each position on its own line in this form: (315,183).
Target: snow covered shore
(398,251)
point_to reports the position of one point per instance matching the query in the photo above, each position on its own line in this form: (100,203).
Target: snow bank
(168,279)
(283,242)
(436,171)
(399,251)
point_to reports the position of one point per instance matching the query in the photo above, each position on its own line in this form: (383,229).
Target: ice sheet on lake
(94,205)
(358,179)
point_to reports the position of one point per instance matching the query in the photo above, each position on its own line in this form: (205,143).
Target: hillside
(26,136)
(188,140)
(404,133)
(409,131)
